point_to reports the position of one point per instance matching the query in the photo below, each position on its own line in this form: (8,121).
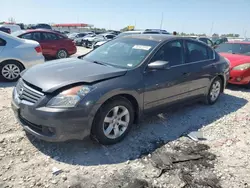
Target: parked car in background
(72,35)
(53,44)
(12,27)
(238,53)
(6,30)
(42,26)
(220,41)
(114,32)
(106,91)
(147,31)
(206,40)
(65,32)
(90,42)
(82,40)
(16,55)
(79,37)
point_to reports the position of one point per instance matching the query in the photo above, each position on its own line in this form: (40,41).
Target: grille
(27,93)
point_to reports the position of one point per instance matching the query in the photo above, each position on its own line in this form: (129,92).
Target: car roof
(155,37)
(43,30)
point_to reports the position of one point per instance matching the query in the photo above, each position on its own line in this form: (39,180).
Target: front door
(167,86)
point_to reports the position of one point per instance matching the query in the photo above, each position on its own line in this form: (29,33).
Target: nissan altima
(103,93)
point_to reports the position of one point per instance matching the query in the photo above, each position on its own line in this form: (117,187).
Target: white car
(12,27)
(16,55)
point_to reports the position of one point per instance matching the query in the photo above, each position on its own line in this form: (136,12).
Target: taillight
(38,49)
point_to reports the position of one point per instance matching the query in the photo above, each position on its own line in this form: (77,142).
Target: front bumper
(239,77)
(50,124)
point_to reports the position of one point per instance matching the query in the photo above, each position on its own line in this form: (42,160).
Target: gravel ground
(156,153)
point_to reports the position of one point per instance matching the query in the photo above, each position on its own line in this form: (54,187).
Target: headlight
(242,67)
(69,98)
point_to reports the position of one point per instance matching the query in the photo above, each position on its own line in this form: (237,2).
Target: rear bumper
(239,77)
(72,51)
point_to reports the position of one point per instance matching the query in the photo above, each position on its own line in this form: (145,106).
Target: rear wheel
(214,91)
(10,70)
(113,121)
(62,54)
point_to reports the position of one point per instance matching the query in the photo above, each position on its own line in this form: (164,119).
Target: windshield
(234,48)
(122,52)
(17,33)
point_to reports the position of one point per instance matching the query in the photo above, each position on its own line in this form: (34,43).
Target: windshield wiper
(100,63)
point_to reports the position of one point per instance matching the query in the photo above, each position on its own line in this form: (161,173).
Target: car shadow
(237,88)
(144,138)
(7,84)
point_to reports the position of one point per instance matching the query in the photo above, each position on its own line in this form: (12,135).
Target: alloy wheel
(116,122)
(62,54)
(215,91)
(10,71)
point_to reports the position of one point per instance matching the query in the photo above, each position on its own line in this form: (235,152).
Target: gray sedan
(104,92)
(16,55)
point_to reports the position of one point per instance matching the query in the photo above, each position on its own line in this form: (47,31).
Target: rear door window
(196,52)
(2,42)
(27,36)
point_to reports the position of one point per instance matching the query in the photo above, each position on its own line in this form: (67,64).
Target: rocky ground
(155,154)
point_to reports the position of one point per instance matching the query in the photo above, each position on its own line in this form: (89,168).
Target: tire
(104,130)
(62,53)
(15,69)
(82,43)
(214,91)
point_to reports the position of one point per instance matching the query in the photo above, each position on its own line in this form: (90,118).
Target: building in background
(72,27)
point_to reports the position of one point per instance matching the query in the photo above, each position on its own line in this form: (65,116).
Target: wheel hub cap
(215,91)
(116,122)
(10,71)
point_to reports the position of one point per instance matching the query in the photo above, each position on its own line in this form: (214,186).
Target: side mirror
(158,65)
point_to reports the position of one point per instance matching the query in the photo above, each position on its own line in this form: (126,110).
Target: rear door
(200,60)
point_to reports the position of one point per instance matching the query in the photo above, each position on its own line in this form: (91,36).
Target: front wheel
(62,54)
(214,91)
(113,121)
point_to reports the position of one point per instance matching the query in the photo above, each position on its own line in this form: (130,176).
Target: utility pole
(161,20)
(211,30)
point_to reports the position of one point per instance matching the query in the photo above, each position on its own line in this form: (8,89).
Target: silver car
(16,55)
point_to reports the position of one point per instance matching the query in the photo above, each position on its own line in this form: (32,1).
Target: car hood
(55,74)
(236,59)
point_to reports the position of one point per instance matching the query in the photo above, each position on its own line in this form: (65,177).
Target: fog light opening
(238,79)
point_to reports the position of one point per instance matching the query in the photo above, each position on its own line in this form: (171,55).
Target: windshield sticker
(141,47)
(130,65)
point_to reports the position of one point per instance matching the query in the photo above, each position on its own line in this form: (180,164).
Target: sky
(189,16)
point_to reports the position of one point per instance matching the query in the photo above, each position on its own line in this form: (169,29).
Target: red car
(53,43)
(238,53)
